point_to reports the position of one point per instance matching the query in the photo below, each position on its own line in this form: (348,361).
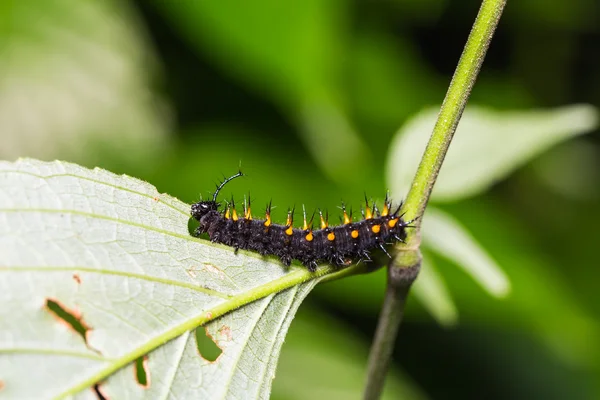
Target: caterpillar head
(202,208)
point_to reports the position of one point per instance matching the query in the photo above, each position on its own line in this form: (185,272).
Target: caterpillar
(338,245)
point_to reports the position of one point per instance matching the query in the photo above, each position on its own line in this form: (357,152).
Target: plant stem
(404,269)
(399,281)
(451,110)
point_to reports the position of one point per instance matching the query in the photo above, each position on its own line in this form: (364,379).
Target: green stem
(404,268)
(451,111)
(399,282)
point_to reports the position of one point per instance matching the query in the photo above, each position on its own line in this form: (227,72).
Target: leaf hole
(192,225)
(72,318)
(207,348)
(142,372)
(98,391)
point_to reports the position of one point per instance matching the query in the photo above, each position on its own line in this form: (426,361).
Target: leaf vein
(123,188)
(165,281)
(56,352)
(98,216)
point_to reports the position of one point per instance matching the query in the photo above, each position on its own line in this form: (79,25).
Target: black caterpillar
(338,245)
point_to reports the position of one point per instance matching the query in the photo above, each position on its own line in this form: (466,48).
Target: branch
(451,111)
(405,267)
(399,281)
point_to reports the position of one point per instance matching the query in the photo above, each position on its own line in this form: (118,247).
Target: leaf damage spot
(71,318)
(206,345)
(2,385)
(209,315)
(193,224)
(225,331)
(191,272)
(142,372)
(155,198)
(99,393)
(77,278)
(213,269)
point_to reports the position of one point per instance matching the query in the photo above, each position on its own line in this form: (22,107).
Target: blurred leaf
(293,52)
(577,15)
(75,72)
(488,146)
(572,169)
(446,236)
(316,363)
(420,11)
(431,290)
(541,300)
(288,49)
(116,255)
(390,81)
(333,143)
(361,297)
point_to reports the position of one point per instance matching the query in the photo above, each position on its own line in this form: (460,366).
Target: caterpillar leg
(312,266)
(382,247)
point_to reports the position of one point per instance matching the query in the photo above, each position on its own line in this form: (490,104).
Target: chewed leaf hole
(207,348)
(98,392)
(192,225)
(142,372)
(72,318)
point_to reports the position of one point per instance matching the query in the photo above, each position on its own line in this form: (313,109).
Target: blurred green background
(307,97)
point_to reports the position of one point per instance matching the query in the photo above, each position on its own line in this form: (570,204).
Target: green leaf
(446,236)
(316,363)
(116,254)
(76,72)
(305,41)
(431,290)
(488,146)
(299,69)
(542,300)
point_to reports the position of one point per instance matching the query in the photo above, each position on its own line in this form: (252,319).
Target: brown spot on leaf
(213,269)
(155,198)
(225,331)
(77,278)
(142,372)
(209,315)
(2,385)
(191,272)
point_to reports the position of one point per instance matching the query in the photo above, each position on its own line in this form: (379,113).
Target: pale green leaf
(115,251)
(74,73)
(447,237)
(431,290)
(488,145)
(572,170)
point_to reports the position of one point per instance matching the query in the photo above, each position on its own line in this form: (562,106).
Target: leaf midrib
(291,279)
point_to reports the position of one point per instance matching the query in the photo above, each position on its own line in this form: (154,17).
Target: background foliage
(308,96)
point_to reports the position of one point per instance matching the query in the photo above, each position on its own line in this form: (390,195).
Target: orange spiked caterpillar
(338,245)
